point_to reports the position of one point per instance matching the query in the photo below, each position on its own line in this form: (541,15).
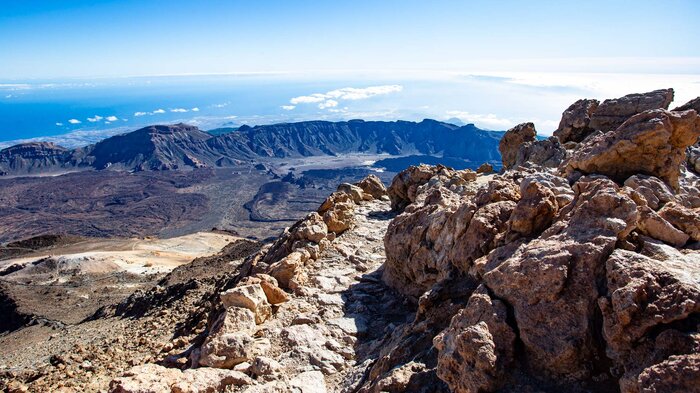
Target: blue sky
(54,39)
(77,71)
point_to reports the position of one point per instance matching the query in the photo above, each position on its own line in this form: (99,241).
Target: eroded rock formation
(572,270)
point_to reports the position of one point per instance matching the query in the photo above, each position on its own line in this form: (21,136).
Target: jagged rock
(534,212)
(645,298)
(692,104)
(152,378)
(229,341)
(676,374)
(512,140)
(404,186)
(264,366)
(551,281)
(289,271)
(340,217)
(372,185)
(652,143)
(477,347)
(685,219)
(656,192)
(251,297)
(355,192)
(547,153)
(693,160)
(275,295)
(574,124)
(655,226)
(485,168)
(311,230)
(611,113)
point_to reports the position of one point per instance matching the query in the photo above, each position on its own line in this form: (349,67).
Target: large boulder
(551,282)
(692,104)
(535,210)
(647,301)
(574,124)
(230,340)
(651,143)
(512,140)
(373,186)
(252,297)
(478,346)
(611,113)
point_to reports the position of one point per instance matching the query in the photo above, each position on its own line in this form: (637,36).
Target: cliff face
(181,146)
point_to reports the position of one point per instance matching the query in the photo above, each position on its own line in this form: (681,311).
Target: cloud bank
(332,98)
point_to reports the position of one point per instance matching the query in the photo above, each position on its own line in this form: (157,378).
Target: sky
(77,38)
(85,67)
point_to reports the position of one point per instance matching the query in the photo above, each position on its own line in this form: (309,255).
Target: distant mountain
(168,147)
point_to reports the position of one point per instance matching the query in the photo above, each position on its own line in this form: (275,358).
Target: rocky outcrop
(575,121)
(151,378)
(611,113)
(485,168)
(581,278)
(650,143)
(512,140)
(545,153)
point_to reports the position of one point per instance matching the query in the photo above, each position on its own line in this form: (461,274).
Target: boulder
(512,140)
(574,124)
(675,374)
(546,153)
(275,295)
(652,224)
(654,190)
(229,341)
(611,113)
(651,143)
(355,192)
(645,299)
(484,168)
(152,378)
(687,220)
(404,186)
(289,271)
(372,186)
(475,351)
(340,217)
(551,281)
(250,296)
(534,212)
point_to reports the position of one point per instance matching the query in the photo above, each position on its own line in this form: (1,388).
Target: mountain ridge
(178,146)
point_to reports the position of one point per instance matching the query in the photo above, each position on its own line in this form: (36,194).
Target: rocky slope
(182,146)
(574,269)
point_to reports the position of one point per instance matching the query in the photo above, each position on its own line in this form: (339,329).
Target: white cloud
(8,96)
(346,93)
(94,119)
(179,110)
(222,105)
(59,124)
(328,104)
(112,118)
(108,122)
(488,121)
(288,107)
(137,114)
(74,121)
(158,111)
(195,109)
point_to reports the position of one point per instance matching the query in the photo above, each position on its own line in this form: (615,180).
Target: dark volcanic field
(252,203)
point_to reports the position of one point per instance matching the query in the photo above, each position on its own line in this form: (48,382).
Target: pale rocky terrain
(574,269)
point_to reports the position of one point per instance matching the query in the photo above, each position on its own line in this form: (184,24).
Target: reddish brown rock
(651,143)
(611,113)
(477,348)
(512,140)
(687,220)
(654,190)
(484,168)
(574,124)
(534,212)
(676,374)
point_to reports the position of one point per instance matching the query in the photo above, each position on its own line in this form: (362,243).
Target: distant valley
(172,180)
